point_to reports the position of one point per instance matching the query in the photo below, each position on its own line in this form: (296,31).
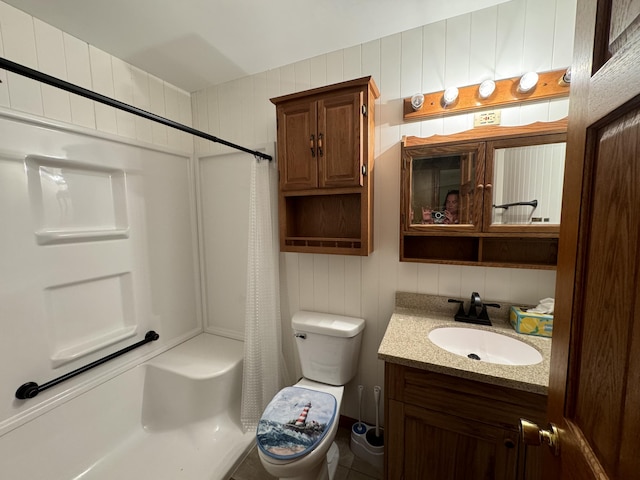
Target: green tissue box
(531,323)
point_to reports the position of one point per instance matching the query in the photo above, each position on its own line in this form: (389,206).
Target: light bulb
(450,96)
(527,82)
(416,101)
(486,88)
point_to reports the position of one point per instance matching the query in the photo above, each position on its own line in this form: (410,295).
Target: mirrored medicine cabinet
(489,196)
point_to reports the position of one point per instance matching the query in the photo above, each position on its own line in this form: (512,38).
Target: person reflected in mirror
(451,205)
(449,215)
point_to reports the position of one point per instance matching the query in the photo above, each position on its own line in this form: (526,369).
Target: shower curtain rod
(70,87)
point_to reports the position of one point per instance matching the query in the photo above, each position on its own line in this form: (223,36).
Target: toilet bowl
(296,433)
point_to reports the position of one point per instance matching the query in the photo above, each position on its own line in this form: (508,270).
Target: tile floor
(350,467)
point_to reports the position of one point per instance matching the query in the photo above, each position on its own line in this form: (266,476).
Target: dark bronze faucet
(472,316)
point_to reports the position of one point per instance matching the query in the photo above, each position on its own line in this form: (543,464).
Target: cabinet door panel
(340,124)
(297,145)
(443,446)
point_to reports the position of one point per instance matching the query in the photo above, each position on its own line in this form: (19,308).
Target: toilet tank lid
(327,324)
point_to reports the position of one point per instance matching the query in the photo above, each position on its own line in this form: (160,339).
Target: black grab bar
(31,389)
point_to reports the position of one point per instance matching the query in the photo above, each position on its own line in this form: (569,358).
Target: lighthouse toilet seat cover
(294,422)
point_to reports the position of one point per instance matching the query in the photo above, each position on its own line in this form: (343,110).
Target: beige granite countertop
(406,342)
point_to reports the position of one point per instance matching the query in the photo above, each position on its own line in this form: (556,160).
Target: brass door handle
(531,434)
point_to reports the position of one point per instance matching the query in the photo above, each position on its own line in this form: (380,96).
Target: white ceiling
(196,43)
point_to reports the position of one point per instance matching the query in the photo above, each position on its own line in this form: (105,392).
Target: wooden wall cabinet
(508,181)
(325,164)
(444,427)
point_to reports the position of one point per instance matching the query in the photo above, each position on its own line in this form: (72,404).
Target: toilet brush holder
(365,444)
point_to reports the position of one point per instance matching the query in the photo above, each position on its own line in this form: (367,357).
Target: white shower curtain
(264,370)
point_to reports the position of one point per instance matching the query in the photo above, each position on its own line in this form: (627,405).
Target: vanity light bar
(550,85)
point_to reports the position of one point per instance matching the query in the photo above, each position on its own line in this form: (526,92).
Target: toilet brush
(375,436)
(360,427)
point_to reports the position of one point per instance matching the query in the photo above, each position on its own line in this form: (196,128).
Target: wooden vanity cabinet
(443,427)
(325,164)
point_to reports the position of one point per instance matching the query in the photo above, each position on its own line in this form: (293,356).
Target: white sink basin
(484,346)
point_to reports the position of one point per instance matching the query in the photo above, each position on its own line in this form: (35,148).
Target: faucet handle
(460,311)
(483,313)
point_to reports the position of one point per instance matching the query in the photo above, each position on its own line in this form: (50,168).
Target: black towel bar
(31,389)
(532,203)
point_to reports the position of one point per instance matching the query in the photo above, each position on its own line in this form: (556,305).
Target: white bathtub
(176,416)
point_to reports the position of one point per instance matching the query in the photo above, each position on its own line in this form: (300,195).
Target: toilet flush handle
(303,336)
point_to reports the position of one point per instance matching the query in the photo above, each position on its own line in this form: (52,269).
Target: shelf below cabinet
(502,251)
(324,223)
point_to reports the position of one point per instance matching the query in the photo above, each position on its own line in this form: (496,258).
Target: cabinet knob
(535,436)
(312,145)
(319,144)
(509,443)
(488,186)
(480,186)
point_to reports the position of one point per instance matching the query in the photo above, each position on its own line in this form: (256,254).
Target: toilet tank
(328,346)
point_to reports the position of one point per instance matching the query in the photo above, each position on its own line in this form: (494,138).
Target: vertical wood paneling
(159,132)
(335,67)
(141,99)
(510,38)
(172,110)
(79,73)
(213,118)
(320,283)
(482,45)
(262,108)
(352,62)
(200,107)
(565,23)
(318,71)
(539,28)
(102,80)
(20,46)
(411,73)
(336,284)
(247,112)
(306,288)
(51,60)
(123,91)
(457,51)
(302,71)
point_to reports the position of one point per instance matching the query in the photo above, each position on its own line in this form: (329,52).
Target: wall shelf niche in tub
(76,201)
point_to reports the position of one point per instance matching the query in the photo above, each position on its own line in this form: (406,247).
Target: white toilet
(296,432)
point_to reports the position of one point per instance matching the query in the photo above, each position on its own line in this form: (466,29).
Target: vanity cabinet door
(440,446)
(445,427)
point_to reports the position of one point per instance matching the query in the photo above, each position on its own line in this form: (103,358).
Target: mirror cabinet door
(441,186)
(526,183)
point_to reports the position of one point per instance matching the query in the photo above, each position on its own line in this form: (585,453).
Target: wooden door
(594,391)
(297,145)
(340,140)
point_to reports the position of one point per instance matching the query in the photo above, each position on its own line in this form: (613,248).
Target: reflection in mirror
(523,175)
(439,192)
